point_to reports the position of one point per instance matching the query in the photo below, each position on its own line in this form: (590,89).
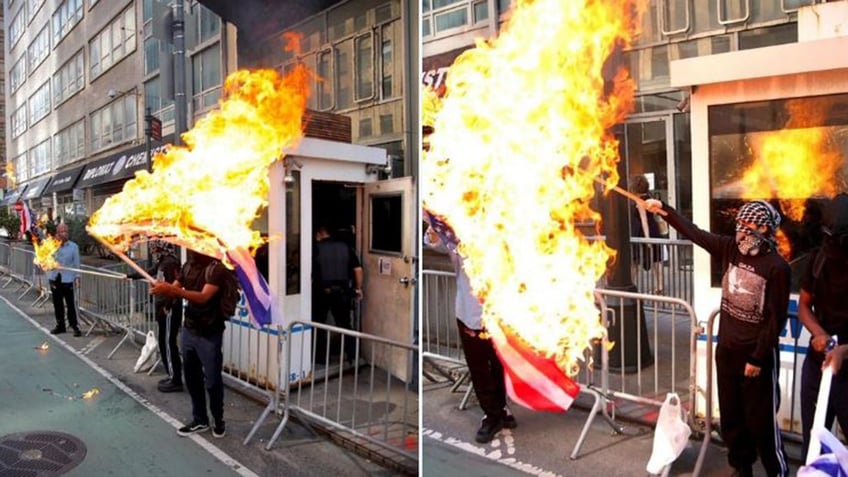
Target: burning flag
(45,249)
(506,171)
(206,195)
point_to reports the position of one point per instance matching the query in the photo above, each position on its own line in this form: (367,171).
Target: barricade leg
(278,430)
(115,349)
(261,420)
(463,405)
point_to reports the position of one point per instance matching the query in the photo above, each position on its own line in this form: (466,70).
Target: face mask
(750,245)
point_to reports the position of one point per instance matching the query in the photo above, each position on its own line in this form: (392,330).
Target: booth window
(791,152)
(387,224)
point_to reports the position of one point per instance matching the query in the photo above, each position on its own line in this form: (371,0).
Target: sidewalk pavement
(542,443)
(124,431)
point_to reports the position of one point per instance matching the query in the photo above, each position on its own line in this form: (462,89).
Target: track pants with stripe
(170,320)
(748,408)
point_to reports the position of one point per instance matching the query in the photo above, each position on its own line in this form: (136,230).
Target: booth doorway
(334,205)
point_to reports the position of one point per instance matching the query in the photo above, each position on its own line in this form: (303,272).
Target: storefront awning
(35,189)
(64,180)
(13,195)
(116,167)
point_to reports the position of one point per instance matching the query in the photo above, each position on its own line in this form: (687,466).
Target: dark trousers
(338,301)
(203,361)
(487,374)
(63,297)
(169,320)
(837,404)
(748,408)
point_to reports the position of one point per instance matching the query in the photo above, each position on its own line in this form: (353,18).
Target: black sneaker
(219,430)
(509,422)
(488,429)
(170,387)
(77,332)
(166,379)
(57,331)
(193,428)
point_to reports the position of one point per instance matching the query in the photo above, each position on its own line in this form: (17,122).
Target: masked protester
(754,302)
(823,311)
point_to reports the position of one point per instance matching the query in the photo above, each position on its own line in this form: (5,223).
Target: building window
(114,124)
(17,27)
(769,150)
(32,8)
(19,121)
(38,49)
(17,75)
(365,128)
(69,79)
(39,159)
(39,103)
(113,43)
(770,36)
(325,80)
(20,165)
(69,144)
(154,99)
(65,18)
(344,76)
(443,15)
(387,64)
(206,76)
(386,124)
(364,59)
(208,24)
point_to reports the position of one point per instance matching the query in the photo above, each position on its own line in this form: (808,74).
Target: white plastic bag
(671,435)
(147,351)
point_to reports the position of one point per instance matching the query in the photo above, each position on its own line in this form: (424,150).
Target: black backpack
(228,295)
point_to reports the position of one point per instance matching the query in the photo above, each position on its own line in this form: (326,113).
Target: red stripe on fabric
(529,375)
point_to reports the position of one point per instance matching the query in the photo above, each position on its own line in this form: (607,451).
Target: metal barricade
(441,347)
(346,393)
(663,267)
(251,355)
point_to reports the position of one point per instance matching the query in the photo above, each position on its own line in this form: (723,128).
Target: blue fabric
(67,256)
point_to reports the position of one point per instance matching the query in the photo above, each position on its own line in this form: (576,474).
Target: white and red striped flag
(26,219)
(532,380)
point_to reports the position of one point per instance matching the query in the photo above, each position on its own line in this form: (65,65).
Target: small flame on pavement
(91,393)
(43,347)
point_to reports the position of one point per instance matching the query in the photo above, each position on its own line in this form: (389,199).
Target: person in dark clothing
(643,224)
(169,315)
(64,281)
(484,365)
(336,282)
(754,302)
(823,311)
(201,282)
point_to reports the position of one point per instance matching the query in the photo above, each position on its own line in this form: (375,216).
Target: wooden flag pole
(126,259)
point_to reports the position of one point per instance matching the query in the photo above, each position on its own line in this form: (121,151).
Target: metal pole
(148,131)
(180,104)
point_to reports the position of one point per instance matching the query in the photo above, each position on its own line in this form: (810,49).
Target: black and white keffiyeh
(758,212)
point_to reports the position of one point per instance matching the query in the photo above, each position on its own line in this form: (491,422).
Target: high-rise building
(82,73)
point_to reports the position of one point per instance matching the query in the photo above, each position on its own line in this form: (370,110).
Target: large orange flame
(207,194)
(45,250)
(518,111)
(796,162)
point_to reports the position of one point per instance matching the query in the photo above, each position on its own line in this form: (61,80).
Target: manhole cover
(39,454)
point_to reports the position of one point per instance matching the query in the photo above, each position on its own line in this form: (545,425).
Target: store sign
(120,166)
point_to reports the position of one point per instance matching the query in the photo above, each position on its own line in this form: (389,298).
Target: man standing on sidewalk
(201,282)
(754,302)
(484,366)
(64,280)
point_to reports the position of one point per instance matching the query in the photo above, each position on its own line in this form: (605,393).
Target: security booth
(337,183)
(769,123)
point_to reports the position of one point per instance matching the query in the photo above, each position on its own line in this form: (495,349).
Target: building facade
(81,75)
